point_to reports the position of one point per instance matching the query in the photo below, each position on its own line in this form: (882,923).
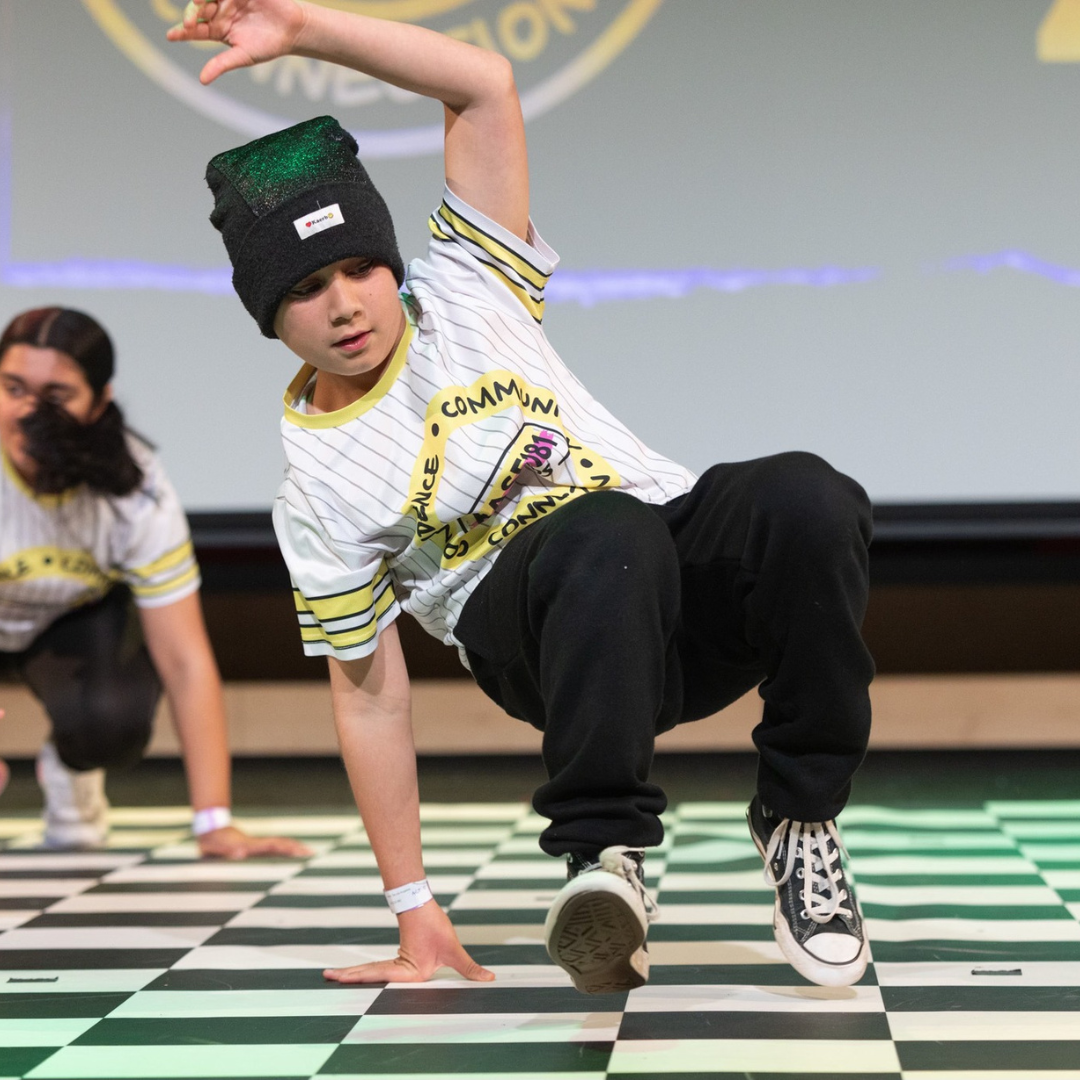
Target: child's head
(292,204)
(59,426)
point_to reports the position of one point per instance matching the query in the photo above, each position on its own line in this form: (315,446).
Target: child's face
(345,318)
(29,375)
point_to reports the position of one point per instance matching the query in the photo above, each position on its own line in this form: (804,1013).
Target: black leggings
(92,672)
(612,620)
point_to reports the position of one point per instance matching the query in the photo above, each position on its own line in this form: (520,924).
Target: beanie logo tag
(326,217)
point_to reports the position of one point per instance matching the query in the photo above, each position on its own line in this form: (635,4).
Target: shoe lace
(621,861)
(819,844)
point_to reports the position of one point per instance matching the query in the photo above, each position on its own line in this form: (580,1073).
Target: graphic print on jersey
(543,446)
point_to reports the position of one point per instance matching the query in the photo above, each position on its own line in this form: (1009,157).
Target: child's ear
(101,404)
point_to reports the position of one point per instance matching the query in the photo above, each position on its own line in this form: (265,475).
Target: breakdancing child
(441,460)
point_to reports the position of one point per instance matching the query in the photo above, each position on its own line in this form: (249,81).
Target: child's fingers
(199,11)
(224,61)
(465,965)
(198,31)
(377,971)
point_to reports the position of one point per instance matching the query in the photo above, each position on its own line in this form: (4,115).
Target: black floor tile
(448,1058)
(1034,1055)
(41,1006)
(413,1001)
(724,1024)
(224,1030)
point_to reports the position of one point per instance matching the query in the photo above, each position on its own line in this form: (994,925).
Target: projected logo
(557,47)
(1059,34)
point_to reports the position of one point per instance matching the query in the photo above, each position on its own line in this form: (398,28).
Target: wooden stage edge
(918,712)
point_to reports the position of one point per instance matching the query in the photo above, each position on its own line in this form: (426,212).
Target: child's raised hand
(255,30)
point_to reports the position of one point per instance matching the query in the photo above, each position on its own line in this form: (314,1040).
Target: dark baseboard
(974,587)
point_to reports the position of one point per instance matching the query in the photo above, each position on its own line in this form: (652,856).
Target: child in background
(443,461)
(99,589)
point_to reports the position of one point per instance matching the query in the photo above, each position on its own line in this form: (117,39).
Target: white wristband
(407,897)
(213,817)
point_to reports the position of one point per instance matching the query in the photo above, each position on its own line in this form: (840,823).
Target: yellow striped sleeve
(176,571)
(345,620)
(169,561)
(174,584)
(436,229)
(524,279)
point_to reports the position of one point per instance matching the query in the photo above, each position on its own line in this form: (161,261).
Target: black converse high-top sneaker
(816,920)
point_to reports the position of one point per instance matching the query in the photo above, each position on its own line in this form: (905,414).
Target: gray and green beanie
(289,204)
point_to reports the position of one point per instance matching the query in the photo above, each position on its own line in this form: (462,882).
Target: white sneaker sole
(594,933)
(74,837)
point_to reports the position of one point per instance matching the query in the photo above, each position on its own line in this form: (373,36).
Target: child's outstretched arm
(486,162)
(372,714)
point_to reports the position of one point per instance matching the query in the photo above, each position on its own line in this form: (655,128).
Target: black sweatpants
(612,620)
(92,672)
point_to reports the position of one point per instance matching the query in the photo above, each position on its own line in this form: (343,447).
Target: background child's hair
(69,453)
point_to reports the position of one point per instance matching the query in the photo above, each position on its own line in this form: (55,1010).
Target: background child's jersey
(60,551)
(476,429)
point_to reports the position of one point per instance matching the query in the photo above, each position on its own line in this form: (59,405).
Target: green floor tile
(223,1030)
(17,1060)
(962,911)
(444,1059)
(181,1062)
(994,1055)
(982,999)
(41,1006)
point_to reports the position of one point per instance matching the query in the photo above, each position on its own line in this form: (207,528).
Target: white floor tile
(107,937)
(955,1026)
(129,903)
(973,895)
(353,1001)
(735,998)
(989,930)
(460,1028)
(288,918)
(269,957)
(655,1057)
(1034,973)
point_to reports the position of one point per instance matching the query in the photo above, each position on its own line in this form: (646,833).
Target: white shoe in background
(76,810)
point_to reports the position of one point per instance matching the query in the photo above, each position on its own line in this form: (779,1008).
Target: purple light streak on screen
(1021,261)
(125,274)
(587,288)
(591,287)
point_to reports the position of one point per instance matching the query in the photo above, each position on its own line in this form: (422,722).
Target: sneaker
(76,810)
(816,919)
(595,930)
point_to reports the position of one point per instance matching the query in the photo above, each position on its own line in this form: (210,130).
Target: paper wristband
(214,817)
(407,897)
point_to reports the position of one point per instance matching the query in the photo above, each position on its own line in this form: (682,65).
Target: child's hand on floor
(232,843)
(256,30)
(428,942)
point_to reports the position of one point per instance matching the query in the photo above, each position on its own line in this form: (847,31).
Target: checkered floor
(140,961)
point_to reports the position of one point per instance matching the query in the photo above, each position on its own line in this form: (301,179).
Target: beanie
(289,204)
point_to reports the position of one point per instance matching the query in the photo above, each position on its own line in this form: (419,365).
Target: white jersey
(404,499)
(58,552)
